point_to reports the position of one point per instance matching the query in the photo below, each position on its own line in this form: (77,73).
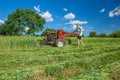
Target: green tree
(102,35)
(92,34)
(116,34)
(110,35)
(22,21)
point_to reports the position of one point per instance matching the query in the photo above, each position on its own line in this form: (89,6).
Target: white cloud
(69,16)
(47,15)
(77,22)
(37,8)
(115,12)
(1,22)
(111,14)
(65,9)
(102,10)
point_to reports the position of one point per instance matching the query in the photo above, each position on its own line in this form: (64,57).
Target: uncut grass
(17,42)
(26,42)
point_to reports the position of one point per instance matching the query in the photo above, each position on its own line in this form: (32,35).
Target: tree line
(115,34)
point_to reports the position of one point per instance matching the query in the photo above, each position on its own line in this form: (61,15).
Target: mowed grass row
(27,59)
(50,62)
(77,64)
(104,72)
(74,67)
(50,55)
(23,54)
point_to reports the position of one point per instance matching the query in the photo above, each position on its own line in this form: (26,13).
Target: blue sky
(92,15)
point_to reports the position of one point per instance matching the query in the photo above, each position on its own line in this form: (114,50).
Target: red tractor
(56,38)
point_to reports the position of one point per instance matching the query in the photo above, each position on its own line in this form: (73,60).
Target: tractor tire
(59,43)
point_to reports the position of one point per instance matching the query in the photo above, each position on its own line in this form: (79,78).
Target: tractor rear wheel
(59,43)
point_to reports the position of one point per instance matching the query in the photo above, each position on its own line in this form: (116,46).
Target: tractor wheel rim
(60,44)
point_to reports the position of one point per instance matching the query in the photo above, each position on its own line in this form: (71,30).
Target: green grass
(21,58)
(18,42)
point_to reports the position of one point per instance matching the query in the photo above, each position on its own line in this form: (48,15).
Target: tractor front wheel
(59,43)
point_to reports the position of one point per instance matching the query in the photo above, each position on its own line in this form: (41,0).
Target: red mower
(56,38)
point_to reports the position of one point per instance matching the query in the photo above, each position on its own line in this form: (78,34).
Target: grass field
(21,58)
